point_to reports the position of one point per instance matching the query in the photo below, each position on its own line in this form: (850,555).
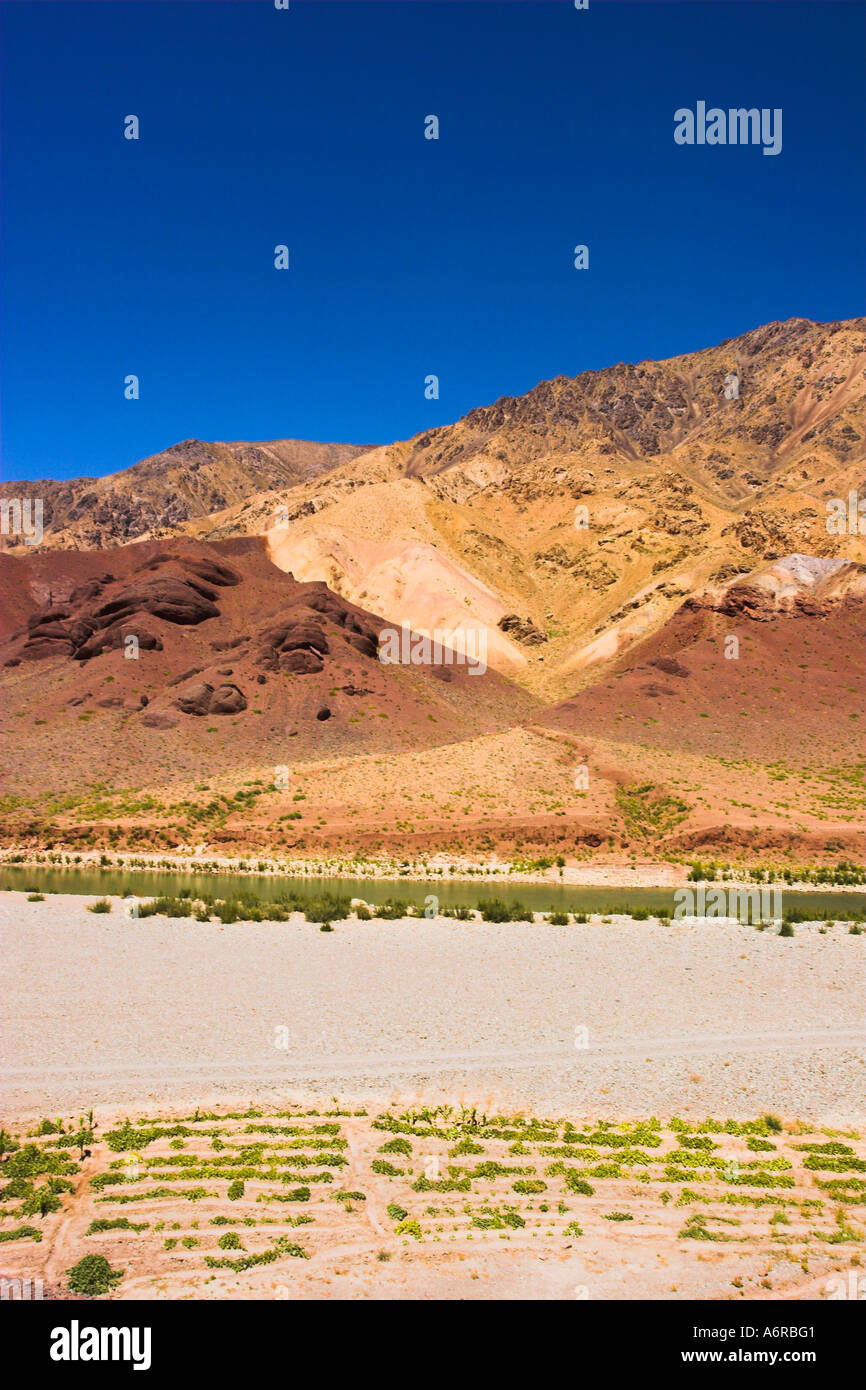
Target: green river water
(538,897)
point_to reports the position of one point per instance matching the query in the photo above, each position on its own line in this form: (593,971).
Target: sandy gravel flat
(700,1018)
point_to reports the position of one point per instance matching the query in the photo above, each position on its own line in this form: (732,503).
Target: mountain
(159,495)
(592,505)
(606,535)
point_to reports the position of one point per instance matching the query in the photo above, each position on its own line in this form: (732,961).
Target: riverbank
(446,868)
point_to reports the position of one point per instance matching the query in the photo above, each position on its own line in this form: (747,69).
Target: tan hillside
(480,520)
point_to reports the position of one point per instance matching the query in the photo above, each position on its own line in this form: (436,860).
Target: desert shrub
(165,907)
(128,1136)
(839,1163)
(527,1186)
(466,1146)
(397,1146)
(397,1213)
(32,1162)
(119,1223)
(618,1216)
(282,1246)
(17,1188)
(392,909)
(575,1183)
(101,905)
(409,1228)
(363,913)
(79,1140)
(573,1229)
(558,919)
(36,897)
(49,1127)
(93,1276)
(230,1241)
(385,1169)
(696,1229)
(21,1233)
(494,910)
(236,1190)
(497,1220)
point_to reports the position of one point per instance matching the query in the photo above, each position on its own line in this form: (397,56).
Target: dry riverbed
(609,1019)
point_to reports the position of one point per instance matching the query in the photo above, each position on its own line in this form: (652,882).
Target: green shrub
(392,909)
(397,1146)
(41,1202)
(236,1190)
(387,1170)
(120,1223)
(93,1276)
(101,905)
(230,1241)
(397,1213)
(21,1233)
(494,910)
(409,1228)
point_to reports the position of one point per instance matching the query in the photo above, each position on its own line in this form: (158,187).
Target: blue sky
(408,256)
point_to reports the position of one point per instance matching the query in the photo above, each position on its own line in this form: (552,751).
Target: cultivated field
(434,1203)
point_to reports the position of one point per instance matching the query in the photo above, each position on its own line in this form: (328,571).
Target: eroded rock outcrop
(203,698)
(93,620)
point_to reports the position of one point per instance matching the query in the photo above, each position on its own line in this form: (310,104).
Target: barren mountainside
(157,496)
(602,538)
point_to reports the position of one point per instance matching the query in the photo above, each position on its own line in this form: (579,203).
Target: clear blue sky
(408,256)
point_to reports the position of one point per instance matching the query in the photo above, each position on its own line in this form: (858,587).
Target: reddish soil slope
(238,664)
(794,692)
